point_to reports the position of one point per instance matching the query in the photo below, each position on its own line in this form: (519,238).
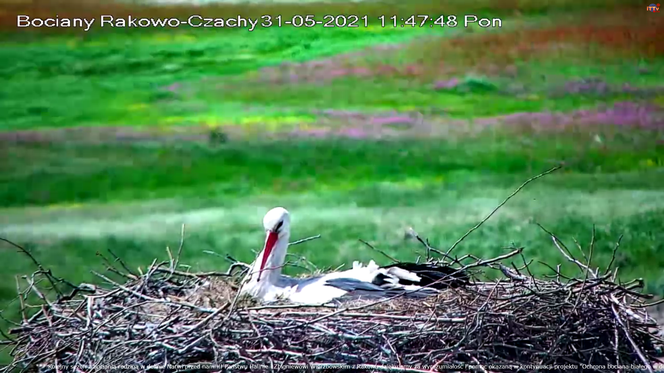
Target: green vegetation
(115,78)
(253,102)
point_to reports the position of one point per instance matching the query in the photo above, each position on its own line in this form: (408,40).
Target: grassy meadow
(112,139)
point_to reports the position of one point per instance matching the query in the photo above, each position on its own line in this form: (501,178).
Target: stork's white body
(312,290)
(266,283)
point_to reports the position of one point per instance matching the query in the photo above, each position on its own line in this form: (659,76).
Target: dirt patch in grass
(352,64)
(358,125)
(604,35)
(601,36)
(600,88)
(621,114)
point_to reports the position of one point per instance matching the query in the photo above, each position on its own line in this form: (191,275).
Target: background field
(112,139)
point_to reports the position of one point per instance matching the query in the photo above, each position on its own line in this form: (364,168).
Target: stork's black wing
(422,274)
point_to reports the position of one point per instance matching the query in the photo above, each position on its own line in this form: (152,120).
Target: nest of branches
(169,320)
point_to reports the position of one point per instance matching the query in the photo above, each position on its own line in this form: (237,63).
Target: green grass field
(113,140)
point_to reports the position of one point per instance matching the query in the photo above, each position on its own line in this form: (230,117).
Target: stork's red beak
(270,241)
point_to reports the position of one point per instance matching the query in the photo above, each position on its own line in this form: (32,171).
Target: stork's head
(277,221)
(277,227)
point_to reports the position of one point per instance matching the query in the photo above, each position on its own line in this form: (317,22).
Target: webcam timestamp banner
(265,21)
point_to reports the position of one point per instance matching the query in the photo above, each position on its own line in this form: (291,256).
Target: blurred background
(113,138)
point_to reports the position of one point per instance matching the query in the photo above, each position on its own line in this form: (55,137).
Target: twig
(613,254)
(205,274)
(379,251)
(304,240)
(47,273)
(113,269)
(635,347)
(428,247)
(21,299)
(123,264)
(564,250)
(177,258)
(499,206)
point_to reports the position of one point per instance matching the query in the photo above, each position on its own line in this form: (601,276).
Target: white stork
(266,283)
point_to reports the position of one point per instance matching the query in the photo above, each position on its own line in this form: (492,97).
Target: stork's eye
(278,226)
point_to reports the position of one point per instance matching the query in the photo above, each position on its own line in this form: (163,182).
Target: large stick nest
(165,320)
